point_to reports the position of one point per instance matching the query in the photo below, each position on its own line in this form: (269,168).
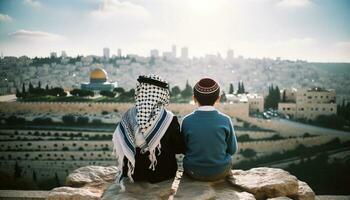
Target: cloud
(295,42)
(294,3)
(153,35)
(33,3)
(35,35)
(5,18)
(120,10)
(343,47)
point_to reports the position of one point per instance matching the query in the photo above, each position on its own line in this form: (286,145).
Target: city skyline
(310,30)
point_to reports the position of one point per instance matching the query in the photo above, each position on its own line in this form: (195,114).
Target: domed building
(99,81)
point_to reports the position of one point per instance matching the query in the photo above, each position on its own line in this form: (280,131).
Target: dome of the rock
(98,74)
(99,81)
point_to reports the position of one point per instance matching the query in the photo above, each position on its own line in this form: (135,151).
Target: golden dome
(98,74)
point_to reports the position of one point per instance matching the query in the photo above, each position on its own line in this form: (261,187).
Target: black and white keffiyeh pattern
(149,101)
(148,119)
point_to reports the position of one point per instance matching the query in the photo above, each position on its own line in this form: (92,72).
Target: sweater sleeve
(232,146)
(178,141)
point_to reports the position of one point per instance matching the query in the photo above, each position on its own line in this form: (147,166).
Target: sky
(312,30)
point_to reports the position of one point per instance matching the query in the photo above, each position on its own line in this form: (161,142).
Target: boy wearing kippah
(209,136)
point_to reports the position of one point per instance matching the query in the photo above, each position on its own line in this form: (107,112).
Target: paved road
(310,128)
(7,98)
(297,158)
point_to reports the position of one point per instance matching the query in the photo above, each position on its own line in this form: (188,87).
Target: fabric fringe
(152,157)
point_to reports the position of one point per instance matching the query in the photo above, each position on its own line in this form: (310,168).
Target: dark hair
(206,99)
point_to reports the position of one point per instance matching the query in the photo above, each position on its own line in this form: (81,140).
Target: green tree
(242,88)
(273,97)
(39,85)
(187,92)
(107,93)
(81,120)
(18,93)
(31,88)
(248,153)
(284,97)
(81,93)
(239,88)
(223,97)
(231,90)
(68,119)
(175,91)
(23,88)
(119,90)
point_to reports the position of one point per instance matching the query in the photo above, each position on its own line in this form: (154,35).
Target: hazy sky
(315,30)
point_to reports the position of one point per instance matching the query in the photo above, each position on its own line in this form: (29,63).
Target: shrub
(42,121)
(82,120)
(105,149)
(107,93)
(248,153)
(68,119)
(96,121)
(246,124)
(81,93)
(305,135)
(14,120)
(244,138)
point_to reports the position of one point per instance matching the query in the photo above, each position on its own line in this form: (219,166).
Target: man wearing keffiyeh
(148,136)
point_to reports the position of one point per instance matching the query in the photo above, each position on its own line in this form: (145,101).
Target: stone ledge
(97,183)
(332,197)
(23,194)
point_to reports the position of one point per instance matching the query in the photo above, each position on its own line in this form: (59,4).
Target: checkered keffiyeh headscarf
(150,99)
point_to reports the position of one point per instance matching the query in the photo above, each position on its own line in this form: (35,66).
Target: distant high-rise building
(230,54)
(53,55)
(173,50)
(63,54)
(119,53)
(106,53)
(184,53)
(154,53)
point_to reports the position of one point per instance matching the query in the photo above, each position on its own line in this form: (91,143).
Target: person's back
(209,136)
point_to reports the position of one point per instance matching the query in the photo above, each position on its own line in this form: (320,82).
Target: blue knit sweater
(210,141)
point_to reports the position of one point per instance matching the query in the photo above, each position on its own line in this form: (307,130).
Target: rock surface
(69,193)
(87,182)
(305,192)
(266,183)
(91,175)
(94,182)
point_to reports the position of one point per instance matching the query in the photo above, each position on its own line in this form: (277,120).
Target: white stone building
(308,103)
(255,101)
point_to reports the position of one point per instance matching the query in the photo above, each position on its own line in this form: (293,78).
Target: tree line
(39,91)
(273,97)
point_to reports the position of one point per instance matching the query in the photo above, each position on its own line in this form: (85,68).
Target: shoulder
(188,117)
(224,117)
(174,119)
